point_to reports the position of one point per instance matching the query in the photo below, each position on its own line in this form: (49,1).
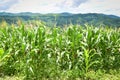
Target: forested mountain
(62,19)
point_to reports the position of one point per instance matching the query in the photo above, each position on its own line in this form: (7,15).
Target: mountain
(62,19)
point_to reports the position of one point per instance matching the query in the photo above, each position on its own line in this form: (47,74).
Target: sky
(59,6)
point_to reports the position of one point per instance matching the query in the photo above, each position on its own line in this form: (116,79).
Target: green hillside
(63,19)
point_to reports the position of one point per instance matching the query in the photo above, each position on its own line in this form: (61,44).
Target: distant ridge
(62,19)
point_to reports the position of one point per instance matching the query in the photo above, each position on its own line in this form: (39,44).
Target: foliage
(63,19)
(56,53)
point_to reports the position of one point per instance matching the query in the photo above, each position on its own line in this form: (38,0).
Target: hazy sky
(57,6)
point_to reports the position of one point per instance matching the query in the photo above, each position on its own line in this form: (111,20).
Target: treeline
(63,19)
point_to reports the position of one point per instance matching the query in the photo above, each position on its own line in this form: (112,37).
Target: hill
(62,19)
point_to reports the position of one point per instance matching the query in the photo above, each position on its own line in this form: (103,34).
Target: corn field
(58,53)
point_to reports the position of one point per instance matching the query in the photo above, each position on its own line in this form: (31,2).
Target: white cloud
(71,3)
(6,4)
(35,6)
(99,6)
(74,6)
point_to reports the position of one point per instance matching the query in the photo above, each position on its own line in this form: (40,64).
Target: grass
(73,52)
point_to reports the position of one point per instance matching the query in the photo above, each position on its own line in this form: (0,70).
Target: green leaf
(1,52)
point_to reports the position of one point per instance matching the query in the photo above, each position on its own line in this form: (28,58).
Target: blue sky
(58,6)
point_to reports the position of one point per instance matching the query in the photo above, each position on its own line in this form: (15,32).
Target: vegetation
(74,52)
(63,19)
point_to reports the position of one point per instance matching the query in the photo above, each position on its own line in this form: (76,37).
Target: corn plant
(43,52)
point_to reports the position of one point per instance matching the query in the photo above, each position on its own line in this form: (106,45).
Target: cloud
(57,6)
(40,6)
(98,6)
(76,3)
(71,3)
(6,4)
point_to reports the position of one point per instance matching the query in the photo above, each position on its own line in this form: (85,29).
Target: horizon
(58,13)
(61,6)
